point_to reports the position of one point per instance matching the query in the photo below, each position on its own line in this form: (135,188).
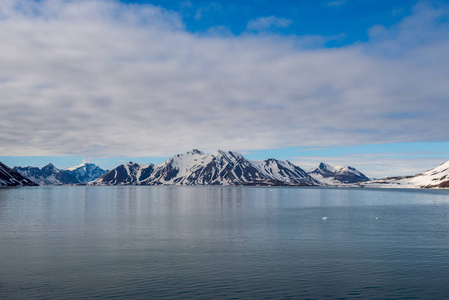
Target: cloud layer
(101,78)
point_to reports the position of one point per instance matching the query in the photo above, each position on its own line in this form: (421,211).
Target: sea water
(223,243)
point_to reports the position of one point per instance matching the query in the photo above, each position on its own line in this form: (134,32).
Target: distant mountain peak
(331,175)
(326,167)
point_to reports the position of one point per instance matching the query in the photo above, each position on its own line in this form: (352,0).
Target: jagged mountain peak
(323,166)
(228,155)
(195,152)
(49,166)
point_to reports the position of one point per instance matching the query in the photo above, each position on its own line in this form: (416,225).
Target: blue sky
(308,17)
(360,83)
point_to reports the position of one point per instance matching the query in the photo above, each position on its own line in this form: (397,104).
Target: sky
(347,82)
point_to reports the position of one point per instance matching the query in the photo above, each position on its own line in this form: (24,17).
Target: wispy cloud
(268,23)
(98,78)
(336,2)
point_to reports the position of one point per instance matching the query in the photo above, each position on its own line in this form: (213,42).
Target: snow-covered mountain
(86,172)
(435,178)
(330,175)
(10,177)
(219,168)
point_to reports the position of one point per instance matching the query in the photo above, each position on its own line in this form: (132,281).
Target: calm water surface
(223,242)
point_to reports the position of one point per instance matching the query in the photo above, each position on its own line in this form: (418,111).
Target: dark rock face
(197,168)
(10,177)
(444,184)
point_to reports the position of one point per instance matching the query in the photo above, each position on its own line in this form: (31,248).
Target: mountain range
(219,168)
(50,175)
(198,168)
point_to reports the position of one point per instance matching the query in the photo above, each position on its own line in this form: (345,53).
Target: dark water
(223,242)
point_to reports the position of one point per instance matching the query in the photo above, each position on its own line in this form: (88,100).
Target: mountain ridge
(219,168)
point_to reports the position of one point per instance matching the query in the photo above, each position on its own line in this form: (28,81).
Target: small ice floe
(324,218)
(377,218)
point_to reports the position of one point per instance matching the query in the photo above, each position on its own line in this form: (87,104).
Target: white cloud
(99,78)
(268,23)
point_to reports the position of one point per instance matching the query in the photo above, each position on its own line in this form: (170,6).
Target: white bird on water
(324,218)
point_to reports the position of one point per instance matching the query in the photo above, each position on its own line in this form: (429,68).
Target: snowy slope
(434,178)
(330,175)
(10,177)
